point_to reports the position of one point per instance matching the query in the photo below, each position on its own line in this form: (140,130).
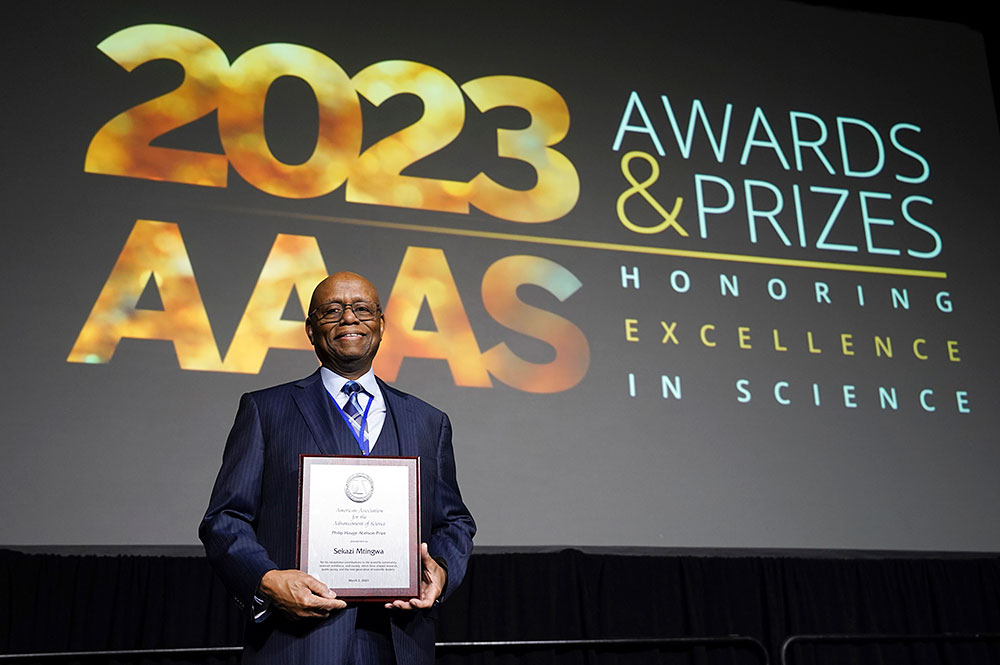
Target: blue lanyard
(361,437)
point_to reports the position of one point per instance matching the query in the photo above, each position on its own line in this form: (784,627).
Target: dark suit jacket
(250,525)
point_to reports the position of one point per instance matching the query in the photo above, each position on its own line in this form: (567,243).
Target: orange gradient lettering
(295,263)
(500,299)
(153,249)
(424,275)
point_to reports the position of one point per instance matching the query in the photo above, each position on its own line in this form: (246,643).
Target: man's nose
(349,311)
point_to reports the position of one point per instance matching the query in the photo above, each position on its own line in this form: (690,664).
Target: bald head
(326,290)
(348,345)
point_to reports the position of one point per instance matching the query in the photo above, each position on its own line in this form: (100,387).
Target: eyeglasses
(334,311)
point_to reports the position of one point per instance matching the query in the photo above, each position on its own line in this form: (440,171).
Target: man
(249,530)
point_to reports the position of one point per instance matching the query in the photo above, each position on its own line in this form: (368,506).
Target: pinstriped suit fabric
(250,525)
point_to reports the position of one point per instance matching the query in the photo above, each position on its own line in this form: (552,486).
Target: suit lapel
(405,415)
(312,400)
(398,405)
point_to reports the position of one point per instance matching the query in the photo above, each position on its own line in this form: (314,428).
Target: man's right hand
(299,594)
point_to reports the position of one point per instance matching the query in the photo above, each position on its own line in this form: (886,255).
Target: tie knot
(352,388)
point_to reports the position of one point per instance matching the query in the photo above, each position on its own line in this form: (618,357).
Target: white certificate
(359,525)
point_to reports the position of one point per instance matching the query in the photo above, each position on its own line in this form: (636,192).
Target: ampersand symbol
(669,218)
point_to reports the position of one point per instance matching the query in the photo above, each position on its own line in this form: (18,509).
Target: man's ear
(309,331)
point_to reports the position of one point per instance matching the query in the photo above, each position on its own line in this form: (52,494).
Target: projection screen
(714,276)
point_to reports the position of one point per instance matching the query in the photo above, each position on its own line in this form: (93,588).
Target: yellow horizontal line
(608,246)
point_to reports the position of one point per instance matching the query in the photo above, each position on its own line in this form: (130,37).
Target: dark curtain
(76,603)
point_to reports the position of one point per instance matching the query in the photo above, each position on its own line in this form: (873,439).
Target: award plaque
(359,525)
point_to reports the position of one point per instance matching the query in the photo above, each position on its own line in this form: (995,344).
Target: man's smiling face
(349,345)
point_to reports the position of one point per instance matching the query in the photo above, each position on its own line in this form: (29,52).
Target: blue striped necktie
(354,412)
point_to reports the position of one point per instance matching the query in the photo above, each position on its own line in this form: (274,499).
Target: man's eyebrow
(341,302)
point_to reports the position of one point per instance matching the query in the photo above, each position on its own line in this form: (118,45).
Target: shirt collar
(335,383)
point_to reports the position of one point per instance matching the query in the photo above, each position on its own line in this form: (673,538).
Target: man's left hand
(433,578)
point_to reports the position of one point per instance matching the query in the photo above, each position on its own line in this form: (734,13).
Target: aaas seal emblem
(359,487)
